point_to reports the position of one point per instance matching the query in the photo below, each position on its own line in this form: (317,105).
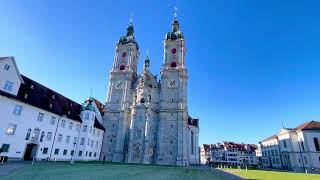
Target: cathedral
(146,118)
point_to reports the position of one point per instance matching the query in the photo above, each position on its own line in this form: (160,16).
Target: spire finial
(131,18)
(91,92)
(175,14)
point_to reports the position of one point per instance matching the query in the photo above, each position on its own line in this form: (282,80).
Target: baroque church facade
(147,119)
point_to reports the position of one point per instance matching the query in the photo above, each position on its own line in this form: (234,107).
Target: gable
(9,73)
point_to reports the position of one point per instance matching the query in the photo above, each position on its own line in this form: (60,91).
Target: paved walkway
(220,173)
(8,168)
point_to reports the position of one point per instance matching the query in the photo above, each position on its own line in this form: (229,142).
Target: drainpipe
(54,137)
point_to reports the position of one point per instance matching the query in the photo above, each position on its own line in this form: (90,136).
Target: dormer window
(6,67)
(69,113)
(70,104)
(31,86)
(25,95)
(53,96)
(50,105)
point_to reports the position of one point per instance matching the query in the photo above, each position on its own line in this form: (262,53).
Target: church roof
(310,125)
(175,33)
(44,98)
(129,37)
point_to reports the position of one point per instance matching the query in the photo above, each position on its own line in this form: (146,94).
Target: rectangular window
(96,144)
(80,153)
(40,117)
(86,116)
(11,129)
(56,151)
(45,151)
(91,145)
(98,133)
(71,153)
(88,142)
(6,67)
(70,125)
(53,121)
(94,132)
(84,129)
(89,154)
(5,147)
(17,110)
(67,139)
(63,123)
(78,127)
(95,154)
(90,129)
(82,141)
(8,86)
(59,138)
(49,136)
(65,152)
(74,140)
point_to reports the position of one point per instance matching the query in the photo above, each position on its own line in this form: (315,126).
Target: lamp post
(72,158)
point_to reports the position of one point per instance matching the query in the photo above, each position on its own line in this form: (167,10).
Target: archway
(30,152)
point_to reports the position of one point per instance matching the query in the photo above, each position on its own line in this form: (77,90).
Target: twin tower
(147,119)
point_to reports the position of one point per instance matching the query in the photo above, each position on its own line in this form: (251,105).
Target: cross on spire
(175,14)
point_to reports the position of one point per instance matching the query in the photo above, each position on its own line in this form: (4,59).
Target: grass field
(272,175)
(108,171)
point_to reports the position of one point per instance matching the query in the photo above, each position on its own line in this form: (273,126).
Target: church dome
(129,37)
(175,33)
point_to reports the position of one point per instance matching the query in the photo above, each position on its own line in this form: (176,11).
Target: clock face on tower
(119,85)
(172,83)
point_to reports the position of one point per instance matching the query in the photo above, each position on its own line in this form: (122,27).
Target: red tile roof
(310,125)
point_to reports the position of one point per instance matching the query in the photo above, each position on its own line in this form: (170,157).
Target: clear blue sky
(252,64)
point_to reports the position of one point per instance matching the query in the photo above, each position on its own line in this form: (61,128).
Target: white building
(37,122)
(296,149)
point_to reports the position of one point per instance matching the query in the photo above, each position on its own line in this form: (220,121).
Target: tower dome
(129,37)
(87,105)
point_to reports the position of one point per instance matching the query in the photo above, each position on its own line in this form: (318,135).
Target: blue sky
(253,65)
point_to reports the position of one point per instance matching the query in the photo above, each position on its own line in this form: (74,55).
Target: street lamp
(72,158)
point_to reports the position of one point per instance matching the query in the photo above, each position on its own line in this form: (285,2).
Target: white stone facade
(147,119)
(295,149)
(33,128)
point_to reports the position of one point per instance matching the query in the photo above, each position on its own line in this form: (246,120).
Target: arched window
(142,100)
(28,134)
(42,136)
(122,67)
(316,143)
(173,64)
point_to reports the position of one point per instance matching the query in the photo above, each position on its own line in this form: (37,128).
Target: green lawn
(62,171)
(272,175)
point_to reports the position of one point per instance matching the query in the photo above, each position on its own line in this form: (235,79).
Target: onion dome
(87,105)
(129,37)
(175,33)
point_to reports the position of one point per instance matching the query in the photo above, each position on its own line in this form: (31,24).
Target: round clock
(119,85)
(172,83)
(173,50)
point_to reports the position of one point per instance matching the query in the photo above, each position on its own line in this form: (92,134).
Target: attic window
(53,96)
(68,112)
(25,95)
(31,86)
(50,105)
(6,67)
(70,104)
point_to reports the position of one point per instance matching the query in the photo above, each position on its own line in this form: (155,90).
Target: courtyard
(66,171)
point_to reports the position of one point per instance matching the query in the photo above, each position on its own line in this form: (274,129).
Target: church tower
(123,76)
(173,124)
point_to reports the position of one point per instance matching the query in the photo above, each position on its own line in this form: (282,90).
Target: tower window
(122,67)
(173,50)
(173,64)
(124,54)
